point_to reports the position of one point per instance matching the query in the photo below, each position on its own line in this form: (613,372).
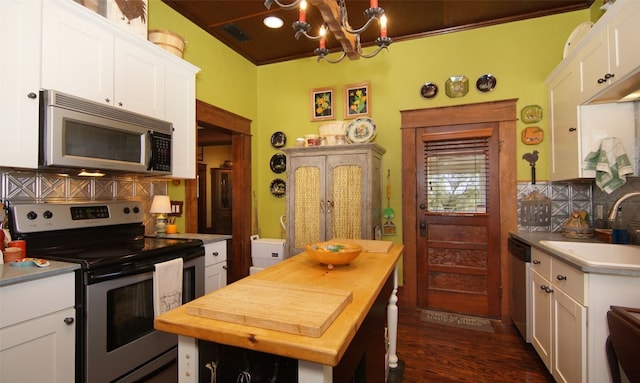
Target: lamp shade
(160,204)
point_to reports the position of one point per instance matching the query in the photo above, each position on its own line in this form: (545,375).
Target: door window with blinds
(457,167)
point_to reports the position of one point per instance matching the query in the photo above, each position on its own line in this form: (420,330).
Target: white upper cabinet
(61,45)
(608,54)
(77,54)
(20,26)
(624,29)
(89,61)
(597,70)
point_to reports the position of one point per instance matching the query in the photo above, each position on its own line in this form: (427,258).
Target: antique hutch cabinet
(332,192)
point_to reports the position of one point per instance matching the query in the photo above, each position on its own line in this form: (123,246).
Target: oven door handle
(106,275)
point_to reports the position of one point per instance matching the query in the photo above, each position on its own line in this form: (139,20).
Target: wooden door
(221,200)
(503,113)
(459,196)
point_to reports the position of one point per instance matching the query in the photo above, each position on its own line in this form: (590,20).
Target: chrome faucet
(613,212)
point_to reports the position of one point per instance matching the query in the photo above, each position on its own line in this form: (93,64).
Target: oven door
(119,333)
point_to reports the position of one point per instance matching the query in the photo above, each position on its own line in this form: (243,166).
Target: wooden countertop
(365,278)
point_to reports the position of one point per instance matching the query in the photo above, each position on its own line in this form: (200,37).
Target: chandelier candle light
(161,205)
(334,13)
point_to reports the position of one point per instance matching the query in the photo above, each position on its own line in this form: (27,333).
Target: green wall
(276,97)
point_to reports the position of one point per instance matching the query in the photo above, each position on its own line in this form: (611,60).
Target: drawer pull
(536,262)
(561,277)
(215,253)
(69,321)
(546,289)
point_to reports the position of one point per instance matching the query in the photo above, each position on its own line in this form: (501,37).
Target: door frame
(239,259)
(504,114)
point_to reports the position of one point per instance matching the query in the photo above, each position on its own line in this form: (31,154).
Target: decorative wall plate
(278,140)
(532,135)
(456,86)
(278,163)
(486,83)
(360,130)
(575,37)
(429,90)
(278,188)
(531,113)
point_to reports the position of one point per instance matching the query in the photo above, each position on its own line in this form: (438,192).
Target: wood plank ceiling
(239,23)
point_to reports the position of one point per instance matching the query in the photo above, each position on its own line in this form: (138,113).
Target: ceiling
(228,20)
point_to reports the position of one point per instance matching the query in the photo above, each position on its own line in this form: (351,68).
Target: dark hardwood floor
(444,354)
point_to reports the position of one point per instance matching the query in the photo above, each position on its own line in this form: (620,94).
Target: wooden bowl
(333,253)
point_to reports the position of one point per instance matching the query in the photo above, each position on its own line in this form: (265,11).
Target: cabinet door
(541,305)
(594,65)
(77,52)
(139,79)
(39,350)
(215,277)
(306,202)
(19,82)
(623,39)
(215,261)
(563,98)
(180,109)
(347,196)
(570,340)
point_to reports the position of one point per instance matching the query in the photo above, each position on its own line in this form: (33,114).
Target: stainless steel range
(116,341)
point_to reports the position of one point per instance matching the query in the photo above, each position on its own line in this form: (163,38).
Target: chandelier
(336,21)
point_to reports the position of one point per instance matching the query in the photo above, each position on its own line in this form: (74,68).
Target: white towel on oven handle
(167,286)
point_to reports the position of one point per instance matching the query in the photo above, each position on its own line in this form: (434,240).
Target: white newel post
(392,321)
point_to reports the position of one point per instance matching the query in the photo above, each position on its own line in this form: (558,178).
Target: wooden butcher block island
(332,322)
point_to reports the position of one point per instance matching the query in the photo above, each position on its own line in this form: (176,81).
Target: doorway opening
(220,127)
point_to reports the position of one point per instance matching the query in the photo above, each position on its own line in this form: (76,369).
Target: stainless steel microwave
(81,134)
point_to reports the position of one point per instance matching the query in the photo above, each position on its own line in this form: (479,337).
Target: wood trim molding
(239,258)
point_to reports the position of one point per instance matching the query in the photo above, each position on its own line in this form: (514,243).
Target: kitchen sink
(598,254)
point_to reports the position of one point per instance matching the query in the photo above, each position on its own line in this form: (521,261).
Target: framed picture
(322,104)
(357,100)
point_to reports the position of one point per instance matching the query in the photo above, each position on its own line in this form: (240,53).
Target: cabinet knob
(32,95)
(215,253)
(536,262)
(546,289)
(69,321)
(572,129)
(561,277)
(120,104)
(609,75)
(225,267)
(601,81)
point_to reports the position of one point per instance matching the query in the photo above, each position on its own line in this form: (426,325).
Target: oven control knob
(136,209)
(32,215)
(47,214)
(127,210)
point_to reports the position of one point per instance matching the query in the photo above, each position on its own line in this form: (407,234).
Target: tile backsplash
(33,186)
(584,195)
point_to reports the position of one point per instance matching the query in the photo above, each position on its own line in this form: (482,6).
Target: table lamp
(160,206)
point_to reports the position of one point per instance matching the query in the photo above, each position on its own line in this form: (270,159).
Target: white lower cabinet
(569,316)
(559,317)
(215,266)
(37,331)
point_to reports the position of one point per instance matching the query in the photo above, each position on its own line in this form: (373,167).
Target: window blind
(457,174)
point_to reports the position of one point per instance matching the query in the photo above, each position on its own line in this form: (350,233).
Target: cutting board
(371,246)
(291,308)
